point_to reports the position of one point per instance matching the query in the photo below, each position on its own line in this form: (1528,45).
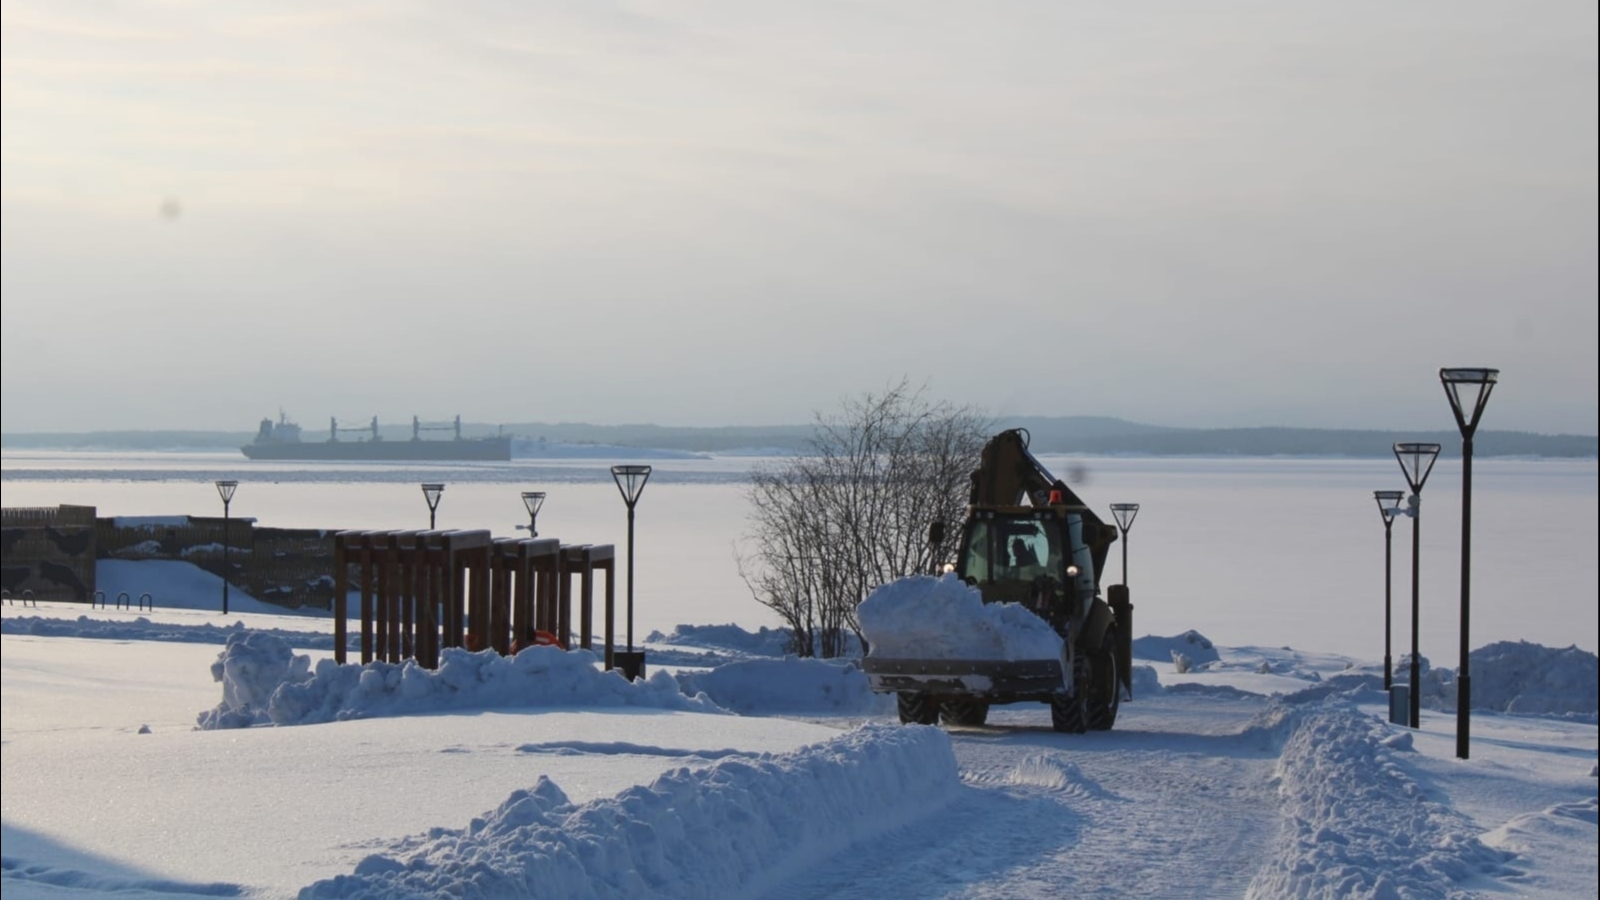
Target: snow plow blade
(975,677)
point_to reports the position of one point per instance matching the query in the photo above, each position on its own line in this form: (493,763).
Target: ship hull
(497,449)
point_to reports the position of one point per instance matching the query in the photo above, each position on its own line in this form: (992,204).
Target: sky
(542,775)
(714,213)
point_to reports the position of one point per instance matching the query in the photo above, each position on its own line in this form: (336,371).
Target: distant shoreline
(1085,435)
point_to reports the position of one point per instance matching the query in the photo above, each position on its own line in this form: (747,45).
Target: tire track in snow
(1130,813)
(1003,833)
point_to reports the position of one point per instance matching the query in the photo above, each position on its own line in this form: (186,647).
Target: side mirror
(935,534)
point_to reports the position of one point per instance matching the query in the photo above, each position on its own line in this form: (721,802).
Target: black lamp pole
(1124,514)
(630,482)
(1479,383)
(533,500)
(1389,507)
(1416,461)
(430,493)
(225,490)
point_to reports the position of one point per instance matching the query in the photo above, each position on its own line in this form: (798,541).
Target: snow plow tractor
(1027,540)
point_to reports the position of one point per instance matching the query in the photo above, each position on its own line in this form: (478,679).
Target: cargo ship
(281,440)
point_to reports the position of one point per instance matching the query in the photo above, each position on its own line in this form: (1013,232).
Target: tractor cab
(1035,556)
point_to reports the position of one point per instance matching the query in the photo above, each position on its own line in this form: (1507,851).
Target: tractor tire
(1105,691)
(964,711)
(917,709)
(1070,715)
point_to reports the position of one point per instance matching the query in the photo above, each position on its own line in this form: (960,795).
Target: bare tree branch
(853,513)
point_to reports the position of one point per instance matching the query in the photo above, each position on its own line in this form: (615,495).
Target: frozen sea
(1250,551)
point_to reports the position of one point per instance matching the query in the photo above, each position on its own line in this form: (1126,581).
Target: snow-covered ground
(734,772)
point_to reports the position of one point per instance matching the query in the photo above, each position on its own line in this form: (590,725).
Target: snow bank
(1145,680)
(142,629)
(731,829)
(151,522)
(765,642)
(776,686)
(945,618)
(1357,825)
(1191,646)
(251,667)
(177,584)
(1524,834)
(1519,677)
(732,641)
(264,682)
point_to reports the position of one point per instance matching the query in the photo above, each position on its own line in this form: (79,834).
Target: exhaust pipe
(1122,608)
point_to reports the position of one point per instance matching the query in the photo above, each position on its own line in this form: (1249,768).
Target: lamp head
(1124,513)
(630,481)
(431,493)
(225,490)
(1416,461)
(533,500)
(1388,504)
(1468,391)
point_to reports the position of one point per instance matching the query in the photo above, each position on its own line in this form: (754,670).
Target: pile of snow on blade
(1356,824)
(777,686)
(264,682)
(923,617)
(732,829)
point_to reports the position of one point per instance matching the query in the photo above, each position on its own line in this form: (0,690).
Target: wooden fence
(423,591)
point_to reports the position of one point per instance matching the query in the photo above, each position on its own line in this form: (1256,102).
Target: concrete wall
(51,551)
(48,551)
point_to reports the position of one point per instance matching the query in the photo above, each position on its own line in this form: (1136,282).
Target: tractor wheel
(1070,715)
(1105,691)
(964,711)
(917,709)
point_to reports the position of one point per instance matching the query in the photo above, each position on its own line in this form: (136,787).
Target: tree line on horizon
(1096,435)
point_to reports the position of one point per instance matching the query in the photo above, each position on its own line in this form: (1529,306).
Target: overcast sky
(725,212)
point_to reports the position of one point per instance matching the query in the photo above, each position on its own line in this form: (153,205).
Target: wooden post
(597,557)
(343,543)
(366,597)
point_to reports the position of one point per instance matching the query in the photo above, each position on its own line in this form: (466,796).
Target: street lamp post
(430,493)
(630,481)
(1475,384)
(1416,461)
(532,500)
(1124,513)
(225,490)
(1388,507)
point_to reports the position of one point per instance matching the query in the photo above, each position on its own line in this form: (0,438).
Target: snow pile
(142,629)
(150,522)
(923,617)
(1354,687)
(182,585)
(776,686)
(731,829)
(725,643)
(1357,825)
(726,638)
(1145,680)
(251,667)
(141,550)
(264,682)
(1186,650)
(1525,834)
(1519,677)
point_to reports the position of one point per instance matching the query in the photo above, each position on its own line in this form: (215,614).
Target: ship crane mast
(333,429)
(418,427)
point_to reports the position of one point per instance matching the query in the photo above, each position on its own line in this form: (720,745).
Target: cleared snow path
(1141,811)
